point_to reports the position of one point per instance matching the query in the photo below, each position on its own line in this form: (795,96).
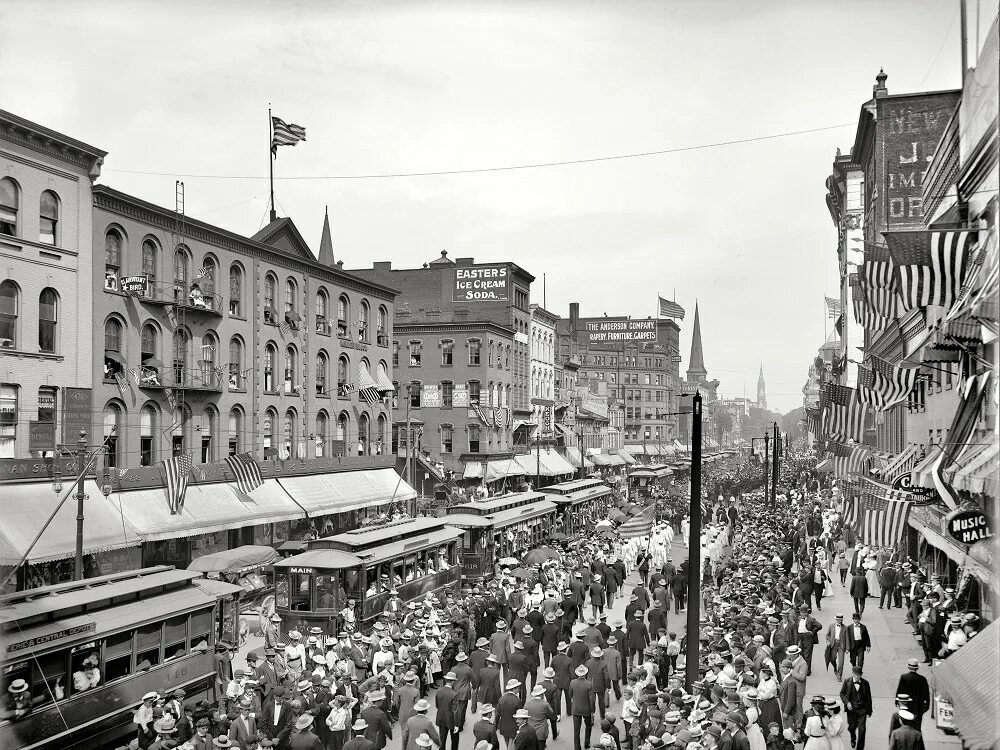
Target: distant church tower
(696,372)
(761,394)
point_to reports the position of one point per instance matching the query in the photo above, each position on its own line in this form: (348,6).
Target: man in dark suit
(267,674)
(484,730)
(858,641)
(582,707)
(550,637)
(678,590)
(856,695)
(379,730)
(907,736)
(525,738)
(276,718)
(657,617)
(562,665)
(446,718)
(360,741)
(807,639)
(914,684)
(462,686)
(518,667)
(637,638)
(476,662)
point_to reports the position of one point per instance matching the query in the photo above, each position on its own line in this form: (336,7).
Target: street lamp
(57,485)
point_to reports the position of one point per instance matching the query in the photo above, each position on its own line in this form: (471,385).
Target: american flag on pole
(884,520)
(849,460)
(176,471)
(846,414)
(832,308)
(878,281)
(893,382)
(930,266)
(246,471)
(639,525)
(285,134)
(670,309)
(864,313)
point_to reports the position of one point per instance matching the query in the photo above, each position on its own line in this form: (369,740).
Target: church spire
(326,242)
(761,393)
(696,372)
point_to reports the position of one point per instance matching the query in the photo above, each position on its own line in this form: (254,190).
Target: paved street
(892,645)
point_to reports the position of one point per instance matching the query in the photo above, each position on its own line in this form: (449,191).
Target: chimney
(574,314)
(879,90)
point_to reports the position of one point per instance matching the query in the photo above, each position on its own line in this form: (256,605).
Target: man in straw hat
(417,724)
(484,730)
(582,705)
(525,738)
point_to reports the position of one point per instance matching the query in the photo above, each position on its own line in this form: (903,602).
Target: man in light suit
(836,642)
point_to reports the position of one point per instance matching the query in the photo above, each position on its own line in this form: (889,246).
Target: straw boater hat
(303,721)
(581,671)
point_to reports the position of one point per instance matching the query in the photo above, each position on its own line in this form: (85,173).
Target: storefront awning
(626,457)
(980,474)
(900,464)
(207,508)
(606,459)
(343,491)
(921,474)
(635,450)
(573,456)
(970,678)
(495,469)
(26,506)
(559,465)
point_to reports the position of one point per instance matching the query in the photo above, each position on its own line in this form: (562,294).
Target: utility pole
(409,465)
(767,462)
(774,468)
(81,463)
(692,658)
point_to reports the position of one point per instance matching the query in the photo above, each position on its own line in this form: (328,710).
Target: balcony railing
(189,379)
(185,296)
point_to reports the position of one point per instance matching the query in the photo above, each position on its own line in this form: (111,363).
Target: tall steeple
(696,372)
(326,242)
(761,393)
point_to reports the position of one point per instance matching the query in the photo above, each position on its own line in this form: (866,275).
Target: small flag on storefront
(246,471)
(176,471)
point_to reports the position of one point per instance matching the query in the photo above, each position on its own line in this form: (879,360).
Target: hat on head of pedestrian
(360,725)
(549,673)
(522,713)
(421,705)
(912,664)
(485,709)
(581,671)
(513,684)
(537,691)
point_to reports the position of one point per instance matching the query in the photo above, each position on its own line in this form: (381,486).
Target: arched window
(380,444)
(343,368)
(235,430)
(363,435)
(9,204)
(182,355)
(290,373)
(270,417)
(364,321)
(322,367)
(182,274)
(343,315)
(206,277)
(290,292)
(207,361)
(270,361)
(150,254)
(342,426)
(147,435)
(180,438)
(288,434)
(236,290)
(383,326)
(209,424)
(235,364)
(270,290)
(48,217)
(48,311)
(113,437)
(149,346)
(320,438)
(114,348)
(113,243)
(322,311)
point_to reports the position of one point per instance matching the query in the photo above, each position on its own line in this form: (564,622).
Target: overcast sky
(182,88)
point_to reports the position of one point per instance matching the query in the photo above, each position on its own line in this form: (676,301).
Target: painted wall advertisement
(481,284)
(603,330)
(430,395)
(460,396)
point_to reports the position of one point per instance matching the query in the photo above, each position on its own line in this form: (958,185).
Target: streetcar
(582,502)
(496,528)
(76,658)
(412,557)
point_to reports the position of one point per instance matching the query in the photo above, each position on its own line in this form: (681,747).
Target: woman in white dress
(816,731)
(836,727)
(870,565)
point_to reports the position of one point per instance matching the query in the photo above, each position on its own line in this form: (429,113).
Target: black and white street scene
(499,375)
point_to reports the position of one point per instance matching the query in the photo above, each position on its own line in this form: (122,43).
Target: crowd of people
(512,656)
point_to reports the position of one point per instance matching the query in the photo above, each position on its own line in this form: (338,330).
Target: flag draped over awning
(930,266)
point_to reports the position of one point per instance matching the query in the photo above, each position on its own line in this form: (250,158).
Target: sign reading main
(602,330)
(481,284)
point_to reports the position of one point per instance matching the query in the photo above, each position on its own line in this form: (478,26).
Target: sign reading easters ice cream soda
(481,283)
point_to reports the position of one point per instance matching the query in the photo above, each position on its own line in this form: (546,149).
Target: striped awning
(383,383)
(901,464)
(365,379)
(970,678)
(979,475)
(921,473)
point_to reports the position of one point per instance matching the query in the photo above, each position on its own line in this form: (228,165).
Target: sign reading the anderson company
(602,330)
(481,284)
(968,526)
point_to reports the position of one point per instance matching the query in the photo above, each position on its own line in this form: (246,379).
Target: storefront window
(167,552)
(262,534)
(281,531)
(206,544)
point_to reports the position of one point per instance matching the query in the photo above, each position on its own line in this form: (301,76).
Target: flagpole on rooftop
(270,152)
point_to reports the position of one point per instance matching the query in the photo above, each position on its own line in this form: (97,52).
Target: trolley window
(174,637)
(201,628)
(85,666)
(117,656)
(147,646)
(15,705)
(49,678)
(330,593)
(300,591)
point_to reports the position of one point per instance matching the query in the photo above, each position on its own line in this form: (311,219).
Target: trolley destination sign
(17,646)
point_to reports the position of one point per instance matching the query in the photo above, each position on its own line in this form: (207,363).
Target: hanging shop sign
(968,526)
(905,482)
(430,395)
(133,284)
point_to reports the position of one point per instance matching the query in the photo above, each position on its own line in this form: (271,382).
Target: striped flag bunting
(832,308)
(122,382)
(866,389)
(884,490)
(176,472)
(639,525)
(884,520)
(893,382)
(901,464)
(849,460)
(285,134)
(670,309)
(246,471)
(966,416)
(849,510)
(485,414)
(864,313)
(878,281)
(500,417)
(814,420)
(368,391)
(846,414)
(930,266)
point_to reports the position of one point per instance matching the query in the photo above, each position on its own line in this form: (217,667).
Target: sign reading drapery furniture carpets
(600,330)
(968,526)
(481,283)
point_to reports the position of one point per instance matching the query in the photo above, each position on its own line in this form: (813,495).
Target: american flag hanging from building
(878,281)
(884,520)
(864,313)
(866,388)
(849,460)
(832,308)
(893,382)
(246,471)
(849,508)
(930,266)
(846,414)
(176,472)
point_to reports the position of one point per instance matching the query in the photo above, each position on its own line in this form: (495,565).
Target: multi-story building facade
(46,292)
(462,340)
(542,351)
(215,344)
(638,359)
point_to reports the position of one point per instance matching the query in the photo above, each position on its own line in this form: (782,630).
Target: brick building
(461,339)
(46,291)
